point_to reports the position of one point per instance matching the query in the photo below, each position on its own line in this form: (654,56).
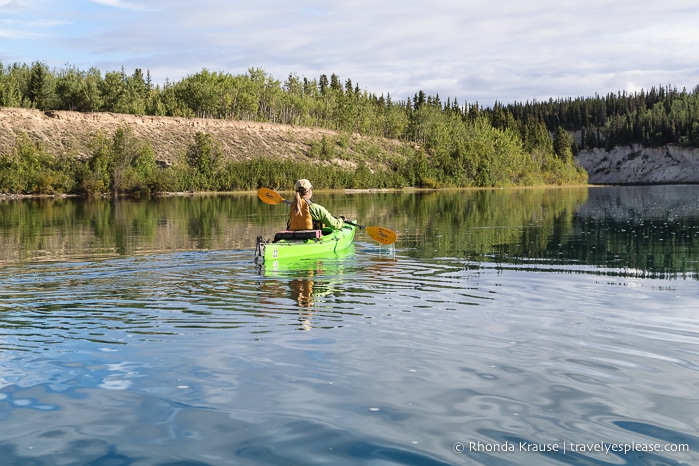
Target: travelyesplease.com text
(565,447)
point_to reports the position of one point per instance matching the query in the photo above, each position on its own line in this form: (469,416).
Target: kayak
(306,243)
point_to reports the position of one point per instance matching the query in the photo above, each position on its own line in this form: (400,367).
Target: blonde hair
(297,203)
(301,187)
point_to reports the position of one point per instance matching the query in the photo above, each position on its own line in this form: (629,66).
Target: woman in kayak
(306,214)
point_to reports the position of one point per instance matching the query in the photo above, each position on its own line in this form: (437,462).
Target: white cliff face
(636,164)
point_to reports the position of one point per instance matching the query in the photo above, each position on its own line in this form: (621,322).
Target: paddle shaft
(361,227)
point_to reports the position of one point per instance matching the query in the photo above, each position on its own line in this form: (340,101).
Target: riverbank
(65,133)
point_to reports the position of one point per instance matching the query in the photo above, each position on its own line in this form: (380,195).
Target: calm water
(502,323)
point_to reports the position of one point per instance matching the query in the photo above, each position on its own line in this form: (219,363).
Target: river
(525,326)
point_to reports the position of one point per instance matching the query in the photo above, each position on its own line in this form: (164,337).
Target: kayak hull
(331,241)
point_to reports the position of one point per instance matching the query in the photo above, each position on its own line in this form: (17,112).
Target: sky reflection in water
(558,330)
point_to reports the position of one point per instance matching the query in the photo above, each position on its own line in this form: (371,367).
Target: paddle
(380,234)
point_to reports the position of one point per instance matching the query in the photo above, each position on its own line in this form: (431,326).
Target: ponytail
(297,203)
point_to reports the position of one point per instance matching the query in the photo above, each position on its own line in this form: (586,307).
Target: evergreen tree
(562,143)
(40,86)
(323,84)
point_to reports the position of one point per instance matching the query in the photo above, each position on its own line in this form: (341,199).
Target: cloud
(7,5)
(502,50)
(17,34)
(119,4)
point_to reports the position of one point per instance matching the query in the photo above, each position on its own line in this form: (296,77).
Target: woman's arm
(321,214)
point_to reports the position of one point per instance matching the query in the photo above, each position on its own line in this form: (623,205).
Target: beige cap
(303,185)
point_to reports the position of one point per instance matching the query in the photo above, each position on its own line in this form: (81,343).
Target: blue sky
(505,50)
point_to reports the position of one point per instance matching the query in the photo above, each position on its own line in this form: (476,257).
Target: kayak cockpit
(291,235)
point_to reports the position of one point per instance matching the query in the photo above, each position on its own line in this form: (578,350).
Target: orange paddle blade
(382,235)
(270,197)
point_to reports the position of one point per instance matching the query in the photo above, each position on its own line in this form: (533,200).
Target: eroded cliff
(641,165)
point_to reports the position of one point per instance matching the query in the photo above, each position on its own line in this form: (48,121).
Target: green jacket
(321,214)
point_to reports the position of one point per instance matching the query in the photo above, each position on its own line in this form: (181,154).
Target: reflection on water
(65,229)
(644,231)
(314,286)
(144,333)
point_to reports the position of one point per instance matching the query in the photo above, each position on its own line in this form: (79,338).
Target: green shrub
(122,165)
(29,169)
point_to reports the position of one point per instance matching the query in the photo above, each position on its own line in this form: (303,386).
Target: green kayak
(305,243)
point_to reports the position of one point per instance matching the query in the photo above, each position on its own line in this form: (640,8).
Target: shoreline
(11,197)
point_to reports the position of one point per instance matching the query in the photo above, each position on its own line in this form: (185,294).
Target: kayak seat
(297,235)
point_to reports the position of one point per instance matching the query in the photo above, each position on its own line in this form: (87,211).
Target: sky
(473,51)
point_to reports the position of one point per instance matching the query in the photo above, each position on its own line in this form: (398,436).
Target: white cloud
(10,4)
(119,4)
(15,34)
(499,50)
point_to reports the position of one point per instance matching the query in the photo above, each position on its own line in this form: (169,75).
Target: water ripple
(383,358)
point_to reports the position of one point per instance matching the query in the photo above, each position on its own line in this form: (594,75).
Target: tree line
(655,117)
(662,115)
(446,143)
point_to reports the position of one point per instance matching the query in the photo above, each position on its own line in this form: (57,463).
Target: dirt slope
(71,132)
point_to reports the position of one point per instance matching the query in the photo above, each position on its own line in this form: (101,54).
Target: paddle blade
(269,197)
(382,235)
